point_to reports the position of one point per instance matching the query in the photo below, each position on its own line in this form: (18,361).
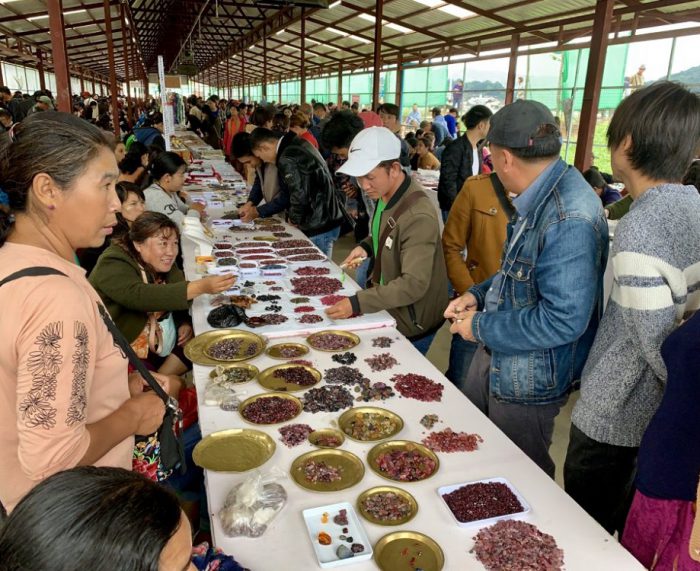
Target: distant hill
(691,77)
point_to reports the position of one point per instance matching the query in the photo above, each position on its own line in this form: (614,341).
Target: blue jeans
(445,214)
(424,343)
(461,354)
(324,242)
(361,274)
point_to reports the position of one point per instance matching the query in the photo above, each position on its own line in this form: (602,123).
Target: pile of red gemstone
(417,387)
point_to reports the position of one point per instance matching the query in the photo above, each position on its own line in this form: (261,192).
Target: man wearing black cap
(536,318)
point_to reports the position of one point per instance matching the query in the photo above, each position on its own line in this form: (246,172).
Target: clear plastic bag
(251,505)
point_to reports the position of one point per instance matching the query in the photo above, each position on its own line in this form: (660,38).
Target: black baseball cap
(515,125)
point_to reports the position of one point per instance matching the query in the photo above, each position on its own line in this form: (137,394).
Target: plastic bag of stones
(251,505)
(222,395)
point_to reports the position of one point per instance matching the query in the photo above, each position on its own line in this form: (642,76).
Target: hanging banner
(166,106)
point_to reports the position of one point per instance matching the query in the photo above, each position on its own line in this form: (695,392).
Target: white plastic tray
(325,554)
(482,522)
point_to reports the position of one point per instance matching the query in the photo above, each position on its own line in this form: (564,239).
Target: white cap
(370,147)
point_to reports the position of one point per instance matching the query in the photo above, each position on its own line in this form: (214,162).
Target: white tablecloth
(286,545)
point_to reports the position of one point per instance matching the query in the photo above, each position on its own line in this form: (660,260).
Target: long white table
(286,544)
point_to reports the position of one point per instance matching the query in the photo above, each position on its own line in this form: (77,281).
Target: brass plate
(349,335)
(392,445)
(234,450)
(246,402)
(385,489)
(252,368)
(196,349)
(346,420)
(353,470)
(317,435)
(274,351)
(268,380)
(396,550)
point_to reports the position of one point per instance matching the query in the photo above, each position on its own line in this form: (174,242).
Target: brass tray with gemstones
(352,340)
(268,379)
(321,438)
(234,450)
(402,494)
(401,446)
(250,371)
(408,550)
(246,403)
(378,423)
(352,470)
(278,351)
(198,349)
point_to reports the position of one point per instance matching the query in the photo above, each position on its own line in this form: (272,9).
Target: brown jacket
(478,222)
(414,279)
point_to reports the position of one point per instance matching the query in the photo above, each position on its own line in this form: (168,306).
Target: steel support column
(243,78)
(127,75)
(264,47)
(378,14)
(228,77)
(112,68)
(399,82)
(58,48)
(40,69)
(279,91)
(340,84)
(302,79)
(512,65)
(594,80)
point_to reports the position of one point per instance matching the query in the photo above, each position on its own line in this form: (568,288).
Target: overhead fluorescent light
(336,31)
(367,17)
(282,31)
(336,3)
(126,20)
(359,39)
(456,11)
(68,13)
(399,28)
(430,3)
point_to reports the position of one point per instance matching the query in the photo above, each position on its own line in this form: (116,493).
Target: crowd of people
(514,259)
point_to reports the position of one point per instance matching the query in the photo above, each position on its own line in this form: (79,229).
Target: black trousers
(600,478)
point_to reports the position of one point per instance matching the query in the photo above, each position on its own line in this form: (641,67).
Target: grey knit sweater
(656,269)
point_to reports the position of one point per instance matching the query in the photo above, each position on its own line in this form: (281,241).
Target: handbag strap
(119,339)
(155,333)
(403,206)
(137,363)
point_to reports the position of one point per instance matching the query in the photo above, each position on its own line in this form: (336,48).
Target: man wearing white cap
(409,278)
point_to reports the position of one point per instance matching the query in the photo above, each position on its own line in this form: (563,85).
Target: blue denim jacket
(551,295)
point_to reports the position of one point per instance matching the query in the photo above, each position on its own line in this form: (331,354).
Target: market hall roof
(218,33)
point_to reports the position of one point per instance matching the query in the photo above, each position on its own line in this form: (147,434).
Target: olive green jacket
(414,277)
(117,278)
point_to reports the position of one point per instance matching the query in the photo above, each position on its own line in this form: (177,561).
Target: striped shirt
(656,272)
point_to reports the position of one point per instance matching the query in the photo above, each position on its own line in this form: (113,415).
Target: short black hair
(77,519)
(435,111)
(137,147)
(346,103)
(5,89)
(341,129)
(594,178)
(453,110)
(476,115)
(662,121)
(130,163)
(390,109)
(240,146)
(546,144)
(262,135)
(4,112)
(319,105)
(262,115)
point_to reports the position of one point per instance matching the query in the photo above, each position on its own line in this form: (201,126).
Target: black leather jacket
(314,204)
(455,168)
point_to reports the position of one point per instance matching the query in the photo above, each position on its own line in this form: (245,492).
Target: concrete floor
(439,356)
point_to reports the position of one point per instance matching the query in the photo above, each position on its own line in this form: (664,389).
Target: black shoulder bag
(172,454)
